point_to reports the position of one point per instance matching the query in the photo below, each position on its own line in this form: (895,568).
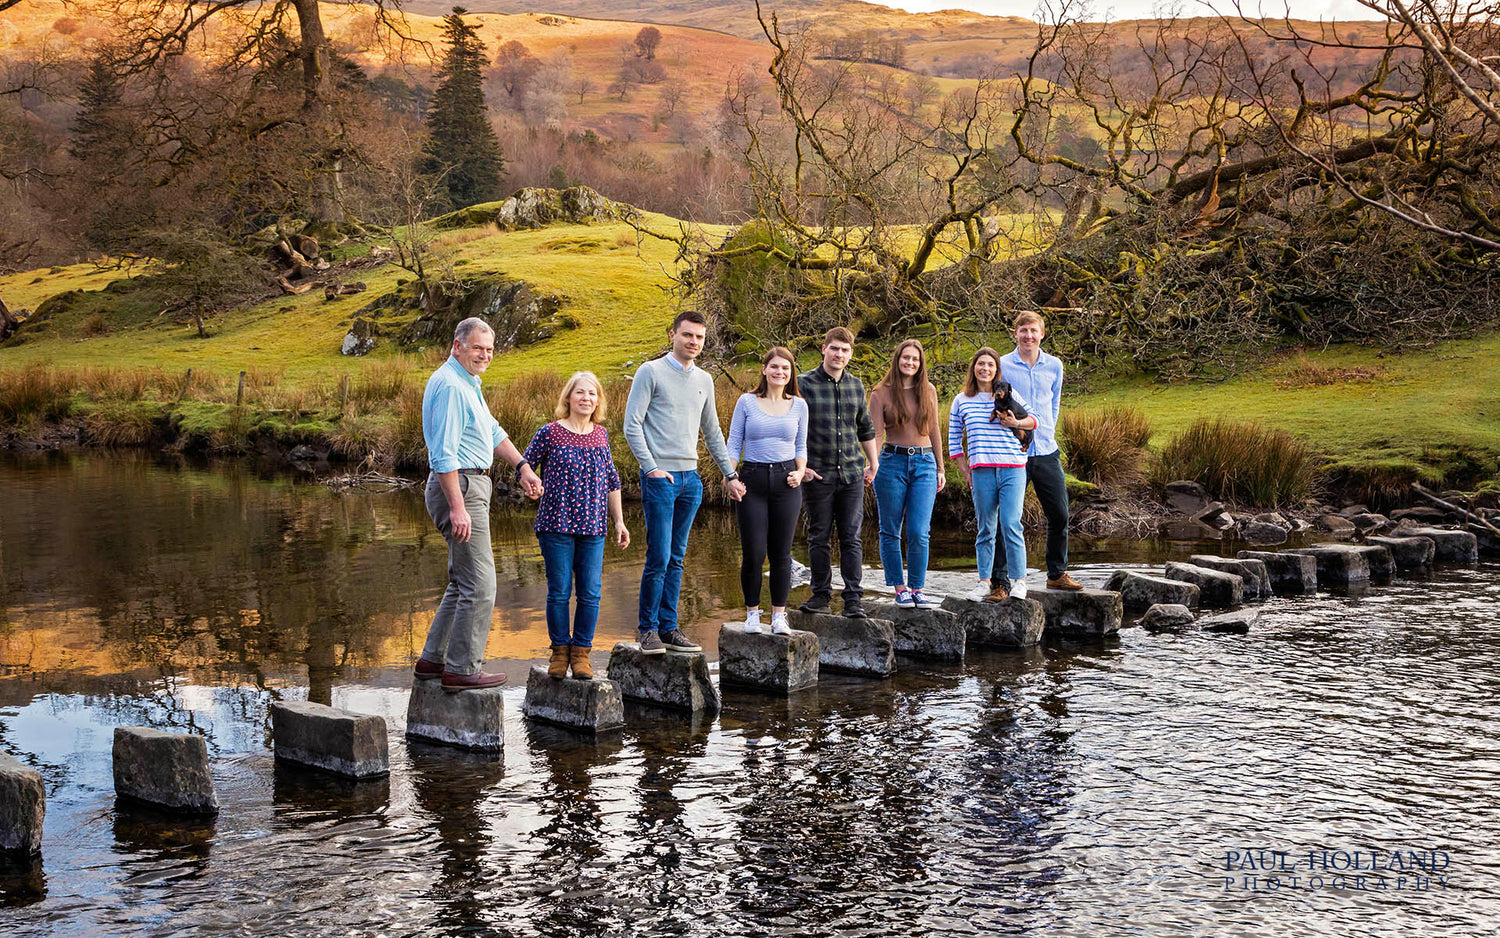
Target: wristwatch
(731,477)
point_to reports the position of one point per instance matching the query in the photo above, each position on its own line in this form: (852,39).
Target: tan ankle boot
(583,669)
(557,666)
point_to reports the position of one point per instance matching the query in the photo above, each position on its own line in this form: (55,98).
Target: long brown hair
(971,383)
(780,351)
(926,407)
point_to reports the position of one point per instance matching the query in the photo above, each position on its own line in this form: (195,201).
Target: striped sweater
(973,436)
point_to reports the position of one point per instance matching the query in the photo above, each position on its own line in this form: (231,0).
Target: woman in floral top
(580,499)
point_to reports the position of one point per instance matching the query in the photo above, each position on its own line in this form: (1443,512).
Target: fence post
(239,396)
(187,382)
(344,397)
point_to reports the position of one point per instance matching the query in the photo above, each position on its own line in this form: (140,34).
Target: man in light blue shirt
(463,438)
(1038,378)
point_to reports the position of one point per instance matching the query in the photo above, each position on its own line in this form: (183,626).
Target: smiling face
(778,372)
(1029,337)
(985,369)
(476,352)
(688,339)
(909,362)
(583,400)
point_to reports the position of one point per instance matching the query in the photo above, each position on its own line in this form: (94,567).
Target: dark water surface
(1091,790)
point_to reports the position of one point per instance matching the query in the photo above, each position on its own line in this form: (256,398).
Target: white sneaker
(752,622)
(778,624)
(979,592)
(1018,588)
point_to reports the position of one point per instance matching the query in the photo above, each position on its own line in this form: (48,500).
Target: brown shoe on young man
(1064,582)
(999,593)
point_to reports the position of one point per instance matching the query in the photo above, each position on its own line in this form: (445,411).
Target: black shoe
(676,641)
(854,609)
(817,606)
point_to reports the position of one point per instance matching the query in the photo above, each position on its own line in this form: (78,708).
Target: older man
(463,438)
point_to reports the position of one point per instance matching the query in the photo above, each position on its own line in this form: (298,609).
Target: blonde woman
(580,502)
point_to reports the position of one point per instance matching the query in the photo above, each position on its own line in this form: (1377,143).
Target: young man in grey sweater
(671,403)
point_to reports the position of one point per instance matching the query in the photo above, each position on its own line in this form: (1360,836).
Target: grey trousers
(462,624)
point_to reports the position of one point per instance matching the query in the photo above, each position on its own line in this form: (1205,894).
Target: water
(1084,790)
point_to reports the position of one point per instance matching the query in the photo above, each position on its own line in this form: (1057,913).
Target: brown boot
(578,657)
(1064,582)
(1000,592)
(557,665)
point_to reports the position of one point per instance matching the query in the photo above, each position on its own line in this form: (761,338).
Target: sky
(1141,9)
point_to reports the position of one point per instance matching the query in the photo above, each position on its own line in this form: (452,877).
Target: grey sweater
(667,409)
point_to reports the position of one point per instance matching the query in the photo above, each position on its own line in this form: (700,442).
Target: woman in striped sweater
(993,462)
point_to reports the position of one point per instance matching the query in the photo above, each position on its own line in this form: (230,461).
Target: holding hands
(736,489)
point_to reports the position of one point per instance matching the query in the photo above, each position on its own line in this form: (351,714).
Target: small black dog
(1006,401)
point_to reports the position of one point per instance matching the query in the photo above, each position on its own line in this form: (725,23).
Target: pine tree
(460,139)
(99,133)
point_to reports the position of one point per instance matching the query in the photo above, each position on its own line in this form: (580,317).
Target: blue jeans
(905,490)
(574,561)
(999,493)
(670,508)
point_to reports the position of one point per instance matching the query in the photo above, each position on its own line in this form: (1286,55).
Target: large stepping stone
(23,807)
(1339,565)
(1257,578)
(167,770)
(595,706)
(1410,553)
(338,741)
(1237,622)
(1015,623)
(676,680)
(1448,546)
(1216,590)
(1141,591)
(778,664)
(1166,617)
(932,634)
(471,719)
(1290,574)
(1084,613)
(866,647)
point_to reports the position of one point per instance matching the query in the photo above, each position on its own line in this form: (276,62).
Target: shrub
(1105,446)
(1240,461)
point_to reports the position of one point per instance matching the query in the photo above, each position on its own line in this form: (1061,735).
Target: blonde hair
(1026,316)
(564,407)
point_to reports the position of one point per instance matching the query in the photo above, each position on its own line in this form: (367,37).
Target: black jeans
(1046,474)
(843,503)
(768,523)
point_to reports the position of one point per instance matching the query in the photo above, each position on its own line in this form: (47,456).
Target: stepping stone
(764,661)
(1216,590)
(1410,553)
(1382,564)
(1339,565)
(1448,546)
(1237,622)
(933,634)
(1141,591)
(1257,578)
(1015,623)
(1080,613)
(338,741)
(676,680)
(866,647)
(595,706)
(471,719)
(167,770)
(1166,617)
(1290,574)
(23,806)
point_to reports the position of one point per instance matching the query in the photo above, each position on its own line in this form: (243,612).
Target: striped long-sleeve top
(973,436)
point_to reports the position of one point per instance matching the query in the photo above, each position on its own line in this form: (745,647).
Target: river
(1110,789)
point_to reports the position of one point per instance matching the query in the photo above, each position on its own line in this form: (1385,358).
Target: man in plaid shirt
(841,461)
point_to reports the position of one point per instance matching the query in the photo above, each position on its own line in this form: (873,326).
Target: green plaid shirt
(838,420)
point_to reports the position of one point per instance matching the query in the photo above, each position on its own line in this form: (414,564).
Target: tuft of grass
(121,423)
(35,392)
(1303,372)
(1106,446)
(93,324)
(380,381)
(1240,461)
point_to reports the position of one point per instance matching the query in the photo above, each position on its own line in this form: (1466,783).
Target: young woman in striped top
(993,462)
(769,432)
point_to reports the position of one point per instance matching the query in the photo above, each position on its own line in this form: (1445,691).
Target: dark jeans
(670,507)
(1046,474)
(768,522)
(830,503)
(574,561)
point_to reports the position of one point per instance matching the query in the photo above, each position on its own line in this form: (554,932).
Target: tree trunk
(319,116)
(9,322)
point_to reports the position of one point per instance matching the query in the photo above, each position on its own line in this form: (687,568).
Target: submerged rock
(1166,617)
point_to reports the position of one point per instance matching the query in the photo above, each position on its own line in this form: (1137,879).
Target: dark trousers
(1046,474)
(830,503)
(768,523)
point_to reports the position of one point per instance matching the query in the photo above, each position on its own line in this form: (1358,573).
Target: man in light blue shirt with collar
(1038,378)
(463,438)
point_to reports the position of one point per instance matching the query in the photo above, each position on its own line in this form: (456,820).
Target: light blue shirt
(756,436)
(457,425)
(1041,386)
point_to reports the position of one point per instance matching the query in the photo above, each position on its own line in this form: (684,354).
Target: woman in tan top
(904,409)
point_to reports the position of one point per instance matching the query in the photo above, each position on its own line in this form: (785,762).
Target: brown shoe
(999,593)
(453,683)
(1064,582)
(557,665)
(425,670)
(578,657)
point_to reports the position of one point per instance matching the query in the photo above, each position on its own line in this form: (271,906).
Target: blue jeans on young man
(670,506)
(999,492)
(905,491)
(575,563)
